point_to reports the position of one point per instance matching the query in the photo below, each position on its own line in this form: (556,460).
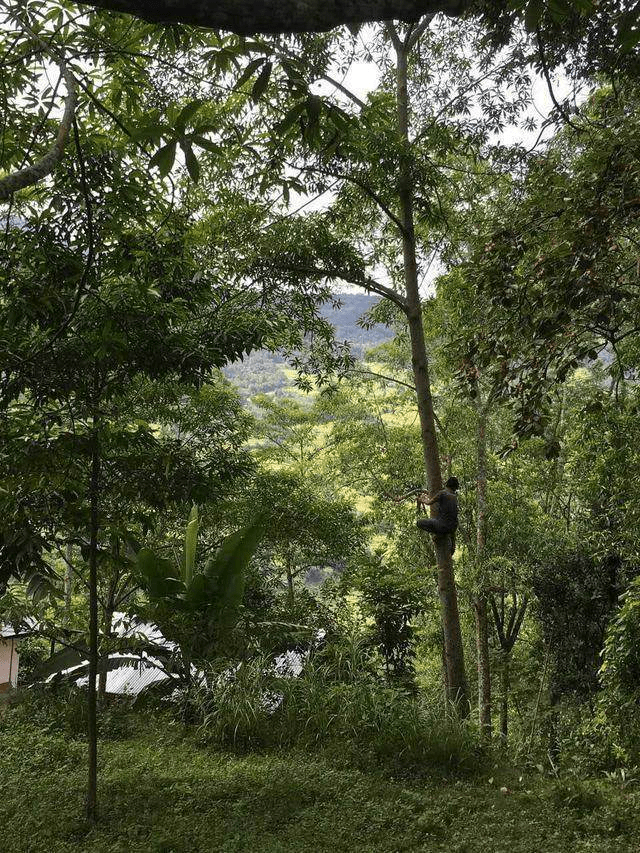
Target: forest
(319,426)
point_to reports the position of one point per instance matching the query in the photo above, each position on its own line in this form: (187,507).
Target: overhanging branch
(246,17)
(366,282)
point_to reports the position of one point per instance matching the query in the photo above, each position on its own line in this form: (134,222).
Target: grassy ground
(164,794)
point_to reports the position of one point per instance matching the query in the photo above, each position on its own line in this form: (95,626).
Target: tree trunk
(456,679)
(68,584)
(445,674)
(480,604)
(290,589)
(504,698)
(104,658)
(484,671)
(552,730)
(92,727)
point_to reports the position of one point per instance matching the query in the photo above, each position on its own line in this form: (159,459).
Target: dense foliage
(247,546)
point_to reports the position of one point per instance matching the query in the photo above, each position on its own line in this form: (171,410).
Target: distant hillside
(264,372)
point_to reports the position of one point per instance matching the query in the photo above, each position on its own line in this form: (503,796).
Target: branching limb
(547,77)
(343,89)
(363,185)
(365,282)
(30,175)
(418,31)
(383,376)
(392,32)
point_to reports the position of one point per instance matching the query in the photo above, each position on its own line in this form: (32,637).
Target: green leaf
(532,15)
(157,575)
(58,662)
(207,144)
(164,158)
(249,71)
(191,162)
(228,566)
(190,544)
(290,118)
(198,593)
(261,83)
(629,37)
(186,114)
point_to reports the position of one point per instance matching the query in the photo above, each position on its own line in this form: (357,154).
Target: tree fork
(453,650)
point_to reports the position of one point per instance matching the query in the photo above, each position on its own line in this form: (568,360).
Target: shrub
(362,717)
(620,673)
(64,711)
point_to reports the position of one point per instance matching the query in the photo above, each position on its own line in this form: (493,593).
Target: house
(9,657)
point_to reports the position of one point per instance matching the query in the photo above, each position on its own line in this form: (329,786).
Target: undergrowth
(362,718)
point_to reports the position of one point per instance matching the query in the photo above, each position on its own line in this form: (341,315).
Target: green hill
(264,372)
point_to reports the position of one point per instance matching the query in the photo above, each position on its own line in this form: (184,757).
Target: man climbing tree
(445,522)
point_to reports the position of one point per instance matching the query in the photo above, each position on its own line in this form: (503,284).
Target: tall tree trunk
(456,679)
(504,697)
(68,584)
(92,722)
(104,658)
(484,671)
(480,603)
(445,674)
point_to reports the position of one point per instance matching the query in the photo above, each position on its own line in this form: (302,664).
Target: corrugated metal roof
(133,679)
(124,625)
(136,674)
(9,631)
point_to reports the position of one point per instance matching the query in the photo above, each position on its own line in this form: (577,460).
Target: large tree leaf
(227,568)
(158,575)
(190,545)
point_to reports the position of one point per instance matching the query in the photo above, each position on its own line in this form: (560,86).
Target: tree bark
(290,589)
(30,175)
(504,698)
(278,16)
(68,584)
(104,658)
(484,670)
(480,603)
(453,650)
(92,722)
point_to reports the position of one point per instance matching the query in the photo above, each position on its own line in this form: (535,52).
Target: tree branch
(382,376)
(358,182)
(246,17)
(346,92)
(393,35)
(365,282)
(547,77)
(30,175)
(419,30)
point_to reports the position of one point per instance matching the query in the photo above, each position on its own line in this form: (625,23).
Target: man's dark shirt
(447,504)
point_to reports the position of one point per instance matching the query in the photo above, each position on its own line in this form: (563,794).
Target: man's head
(453,484)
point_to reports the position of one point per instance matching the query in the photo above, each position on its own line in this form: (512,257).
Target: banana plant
(198,606)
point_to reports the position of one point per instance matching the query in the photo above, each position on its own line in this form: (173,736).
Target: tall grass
(363,717)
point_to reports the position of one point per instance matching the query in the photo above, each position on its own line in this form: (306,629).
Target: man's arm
(424,500)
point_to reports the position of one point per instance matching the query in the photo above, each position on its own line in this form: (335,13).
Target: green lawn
(164,793)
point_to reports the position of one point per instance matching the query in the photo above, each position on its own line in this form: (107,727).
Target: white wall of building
(8,662)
